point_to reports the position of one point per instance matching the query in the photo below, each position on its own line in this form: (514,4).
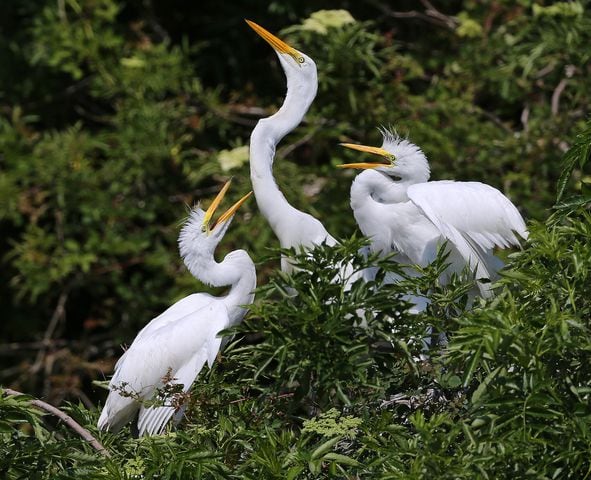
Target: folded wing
(176,349)
(474,217)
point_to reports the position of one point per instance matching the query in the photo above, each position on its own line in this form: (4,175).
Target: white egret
(173,347)
(293,228)
(401,211)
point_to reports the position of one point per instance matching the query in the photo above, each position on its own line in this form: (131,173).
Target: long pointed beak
(277,44)
(228,214)
(389,158)
(216,203)
(363,165)
(373,150)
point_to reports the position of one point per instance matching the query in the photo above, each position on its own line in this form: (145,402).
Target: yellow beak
(228,214)
(224,217)
(363,165)
(277,44)
(374,151)
(216,203)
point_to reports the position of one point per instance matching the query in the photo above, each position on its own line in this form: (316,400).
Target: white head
(199,237)
(401,159)
(300,69)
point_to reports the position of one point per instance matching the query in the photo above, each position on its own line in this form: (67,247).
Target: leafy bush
(114,117)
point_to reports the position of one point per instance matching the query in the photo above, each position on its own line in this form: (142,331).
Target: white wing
(473,216)
(177,348)
(185,306)
(472,208)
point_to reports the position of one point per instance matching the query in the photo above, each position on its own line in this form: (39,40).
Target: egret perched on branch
(293,228)
(401,211)
(173,348)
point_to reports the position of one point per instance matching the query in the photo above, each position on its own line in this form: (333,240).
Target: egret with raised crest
(400,210)
(172,349)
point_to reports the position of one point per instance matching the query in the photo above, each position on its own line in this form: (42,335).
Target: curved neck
(263,140)
(373,186)
(375,201)
(236,270)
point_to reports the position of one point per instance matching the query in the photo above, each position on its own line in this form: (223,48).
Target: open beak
(277,44)
(228,214)
(224,217)
(216,203)
(388,157)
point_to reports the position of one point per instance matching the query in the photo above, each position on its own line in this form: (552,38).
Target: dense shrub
(114,117)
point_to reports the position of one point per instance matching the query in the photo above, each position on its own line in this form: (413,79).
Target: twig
(431,14)
(58,314)
(492,117)
(115,267)
(220,112)
(245,110)
(18,347)
(69,421)
(556,95)
(546,70)
(431,11)
(285,151)
(10,349)
(153,22)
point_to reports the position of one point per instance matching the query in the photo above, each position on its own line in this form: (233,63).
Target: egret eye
(203,228)
(301,59)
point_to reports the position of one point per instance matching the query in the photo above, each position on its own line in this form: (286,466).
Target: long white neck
(263,140)
(374,198)
(236,270)
(377,187)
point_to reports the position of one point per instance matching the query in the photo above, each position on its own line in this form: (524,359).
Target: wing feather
(177,346)
(470,209)
(475,218)
(180,309)
(152,420)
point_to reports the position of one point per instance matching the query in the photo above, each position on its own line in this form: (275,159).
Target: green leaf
(343,459)
(579,153)
(324,448)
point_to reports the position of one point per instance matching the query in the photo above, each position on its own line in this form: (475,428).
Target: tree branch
(69,421)
(431,14)
(58,314)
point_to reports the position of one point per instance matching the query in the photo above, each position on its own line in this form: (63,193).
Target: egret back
(170,347)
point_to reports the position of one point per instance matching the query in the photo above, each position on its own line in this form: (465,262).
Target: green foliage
(334,354)
(579,154)
(511,386)
(332,424)
(114,117)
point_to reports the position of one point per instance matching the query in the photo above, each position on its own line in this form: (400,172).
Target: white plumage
(293,228)
(401,211)
(173,348)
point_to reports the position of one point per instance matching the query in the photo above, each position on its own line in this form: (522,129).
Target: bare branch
(556,95)
(431,11)
(491,116)
(284,151)
(69,421)
(19,347)
(431,14)
(58,314)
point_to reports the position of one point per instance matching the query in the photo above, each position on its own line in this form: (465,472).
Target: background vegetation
(115,116)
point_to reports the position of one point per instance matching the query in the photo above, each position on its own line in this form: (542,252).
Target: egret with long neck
(172,349)
(293,228)
(401,211)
